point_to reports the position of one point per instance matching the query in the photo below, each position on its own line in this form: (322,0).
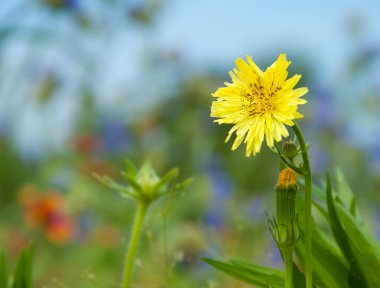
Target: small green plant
(22,275)
(144,187)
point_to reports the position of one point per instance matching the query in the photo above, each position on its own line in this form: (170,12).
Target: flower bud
(144,185)
(286,231)
(289,149)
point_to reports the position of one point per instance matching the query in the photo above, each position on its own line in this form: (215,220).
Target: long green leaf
(345,193)
(23,272)
(330,270)
(3,272)
(356,277)
(298,276)
(363,248)
(254,274)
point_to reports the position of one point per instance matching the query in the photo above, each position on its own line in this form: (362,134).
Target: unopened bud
(289,149)
(287,179)
(286,231)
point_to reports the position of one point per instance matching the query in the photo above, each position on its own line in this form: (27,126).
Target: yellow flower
(258,103)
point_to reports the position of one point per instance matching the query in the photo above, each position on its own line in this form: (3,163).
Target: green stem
(136,231)
(288,163)
(307,225)
(288,260)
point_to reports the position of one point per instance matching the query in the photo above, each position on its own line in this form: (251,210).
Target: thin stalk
(307,225)
(287,162)
(133,242)
(288,260)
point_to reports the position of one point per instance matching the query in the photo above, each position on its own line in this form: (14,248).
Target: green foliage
(348,256)
(257,275)
(3,272)
(355,275)
(249,273)
(22,276)
(329,267)
(355,241)
(13,171)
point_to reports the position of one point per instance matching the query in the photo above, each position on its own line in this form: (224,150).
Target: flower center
(257,100)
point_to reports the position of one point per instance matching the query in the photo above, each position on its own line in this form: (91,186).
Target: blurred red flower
(47,212)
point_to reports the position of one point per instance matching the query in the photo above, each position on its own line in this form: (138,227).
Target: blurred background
(85,84)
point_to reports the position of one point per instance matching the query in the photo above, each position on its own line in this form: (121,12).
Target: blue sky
(219,31)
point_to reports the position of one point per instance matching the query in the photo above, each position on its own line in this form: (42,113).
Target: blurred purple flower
(374,157)
(377,233)
(324,112)
(71,5)
(221,192)
(115,137)
(256,209)
(3,127)
(85,224)
(275,255)
(214,219)
(318,159)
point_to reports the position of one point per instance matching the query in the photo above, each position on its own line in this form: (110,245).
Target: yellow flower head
(258,103)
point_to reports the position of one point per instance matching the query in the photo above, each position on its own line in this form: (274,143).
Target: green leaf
(23,272)
(180,186)
(318,192)
(298,277)
(130,168)
(252,274)
(363,247)
(330,269)
(29,264)
(3,272)
(169,176)
(105,180)
(345,192)
(358,264)
(132,182)
(356,277)
(322,210)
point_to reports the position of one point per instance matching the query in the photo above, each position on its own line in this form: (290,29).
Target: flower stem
(288,260)
(307,223)
(286,162)
(136,231)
